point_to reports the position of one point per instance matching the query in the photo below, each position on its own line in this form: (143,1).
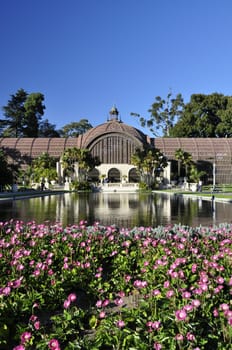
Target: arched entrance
(114,175)
(133,175)
(93,175)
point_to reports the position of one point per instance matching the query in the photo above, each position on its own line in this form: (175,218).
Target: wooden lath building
(114,142)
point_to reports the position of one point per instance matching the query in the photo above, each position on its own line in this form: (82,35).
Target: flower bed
(83,287)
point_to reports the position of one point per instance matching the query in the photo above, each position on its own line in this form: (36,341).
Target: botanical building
(114,142)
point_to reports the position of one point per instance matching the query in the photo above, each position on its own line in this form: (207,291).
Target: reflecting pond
(122,209)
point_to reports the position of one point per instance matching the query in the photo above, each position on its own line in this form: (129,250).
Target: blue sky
(87,55)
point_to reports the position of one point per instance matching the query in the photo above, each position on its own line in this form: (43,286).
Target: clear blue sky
(87,55)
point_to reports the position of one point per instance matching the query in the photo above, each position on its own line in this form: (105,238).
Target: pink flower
(25,337)
(102,314)
(157,346)
(190,336)
(118,301)
(156,292)
(54,344)
(99,303)
(105,302)
(17,283)
(19,347)
(224,307)
(36,273)
(186,295)
(188,307)
(181,315)
(156,325)
(196,302)
(6,291)
(215,313)
(166,284)
(66,304)
(120,324)
(179,337)
(72,297)
(127,278)
(170,293)
(37,325)
(220,280)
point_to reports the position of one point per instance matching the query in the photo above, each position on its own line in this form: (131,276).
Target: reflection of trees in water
(184,209)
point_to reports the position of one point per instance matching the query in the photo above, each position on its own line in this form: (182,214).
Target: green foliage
(143,186)
(149,163)
(80,186)
(205,116)
(195,174)
(8,171)
(75,129)
(34,110)
(23,117)
(77,162)
(183,158)
(47,129)
(163,114)
(43,166)
(14,112)
(94,287)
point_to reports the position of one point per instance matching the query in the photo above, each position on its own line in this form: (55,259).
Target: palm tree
(78,162)
(183,158)
(187,161)
(149,162)
(43,166)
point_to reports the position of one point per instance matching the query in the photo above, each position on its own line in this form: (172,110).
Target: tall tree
(205,116)
(224,127)
(23,114)
(14,113)
(75,128)
(34,110)
(163,114)
(47,129)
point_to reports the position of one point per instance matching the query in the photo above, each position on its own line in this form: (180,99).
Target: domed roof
(110,127)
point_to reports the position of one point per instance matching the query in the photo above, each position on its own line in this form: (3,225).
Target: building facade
(114,142)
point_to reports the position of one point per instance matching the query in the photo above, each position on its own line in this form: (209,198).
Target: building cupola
(114,114)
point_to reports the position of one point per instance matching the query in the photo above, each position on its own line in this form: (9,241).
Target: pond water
(122,209)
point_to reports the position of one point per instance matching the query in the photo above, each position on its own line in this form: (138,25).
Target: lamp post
(213,159)
(214,175)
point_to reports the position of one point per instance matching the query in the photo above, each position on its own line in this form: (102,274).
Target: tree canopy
(23,118)
(8,171)
(78,162)
(149,163)
(23,114)
(203,116)
(163,114)
(75,129)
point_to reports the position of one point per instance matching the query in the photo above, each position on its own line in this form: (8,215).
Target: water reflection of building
(123,210)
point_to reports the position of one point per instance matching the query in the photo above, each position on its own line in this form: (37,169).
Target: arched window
(114,175)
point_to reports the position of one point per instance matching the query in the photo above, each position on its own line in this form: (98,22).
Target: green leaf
(93,322)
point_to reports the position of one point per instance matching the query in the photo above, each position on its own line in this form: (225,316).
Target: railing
(118,186)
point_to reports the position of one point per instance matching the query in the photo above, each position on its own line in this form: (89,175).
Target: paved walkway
(5,196)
